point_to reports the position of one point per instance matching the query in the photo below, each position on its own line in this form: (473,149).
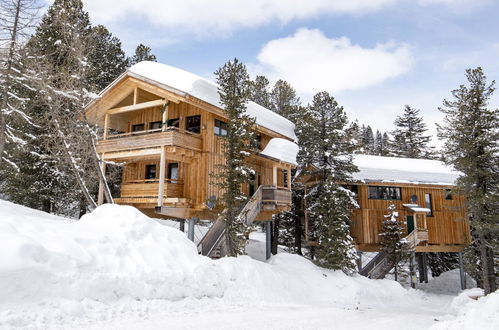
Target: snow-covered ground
(118,269)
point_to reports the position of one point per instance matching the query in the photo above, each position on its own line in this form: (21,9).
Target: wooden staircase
(380,265)
(213,242)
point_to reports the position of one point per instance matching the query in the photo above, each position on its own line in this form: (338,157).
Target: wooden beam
(162,170)
(274,175)
(288,172)
(165,118)
(138,106)
(100,196)
(148,86)
(106,126)
(135,95)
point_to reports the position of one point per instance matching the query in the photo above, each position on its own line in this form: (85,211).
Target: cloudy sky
(374,56)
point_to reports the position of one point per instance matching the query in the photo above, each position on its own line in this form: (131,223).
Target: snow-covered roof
(417,208)
(281,149)
(183,82)
(403,170)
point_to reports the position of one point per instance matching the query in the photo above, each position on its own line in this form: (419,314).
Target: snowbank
(184,82)
(482,313)
(404,170)
(281,149)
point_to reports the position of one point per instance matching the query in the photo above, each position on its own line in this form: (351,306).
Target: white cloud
(312,62)
(205,17)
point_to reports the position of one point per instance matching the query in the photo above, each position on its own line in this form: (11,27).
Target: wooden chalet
(434,216)
(165,125)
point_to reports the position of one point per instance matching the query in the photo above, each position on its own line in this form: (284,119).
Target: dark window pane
(155,125)
(193,124)
(448,194)
(386,193)
(150,172)
(174,122)
(138,127)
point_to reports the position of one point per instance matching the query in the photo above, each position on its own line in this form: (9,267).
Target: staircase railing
(213,238)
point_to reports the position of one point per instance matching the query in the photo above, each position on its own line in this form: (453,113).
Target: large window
(193,124)
(427,204)
(173,172)
(150,172)
(220,128)
(138,127)
(387,193)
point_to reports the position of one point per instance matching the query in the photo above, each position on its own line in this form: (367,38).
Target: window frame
(448,196)
(148,171)
(189,128)
(170,122)
(151,124)
(219,125)
(134,130)
(378,188)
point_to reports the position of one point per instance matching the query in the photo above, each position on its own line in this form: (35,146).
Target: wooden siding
(447,226)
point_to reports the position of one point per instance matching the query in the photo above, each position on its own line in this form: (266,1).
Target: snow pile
(482,313)
(404,170)
(183,82)
(281,149)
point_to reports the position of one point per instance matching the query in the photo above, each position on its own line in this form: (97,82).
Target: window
(138,127)
(173,122)
(387,193)
(259,142)
(155,125)
(150,172)
(193,124)
(427,204)
(448,194)
(173,171)
(220,128)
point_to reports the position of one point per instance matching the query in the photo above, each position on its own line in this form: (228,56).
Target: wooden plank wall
(448,225)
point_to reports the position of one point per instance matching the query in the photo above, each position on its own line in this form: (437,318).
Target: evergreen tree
(106,59)
(238,144)
(471,136)
(142,53)
(259,90)
(440,262)
(392,239)
(354,133)
(325,147)
(368,141)
(408,138)
(284,101)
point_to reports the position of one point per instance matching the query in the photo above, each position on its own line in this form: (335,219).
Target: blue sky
(374,56)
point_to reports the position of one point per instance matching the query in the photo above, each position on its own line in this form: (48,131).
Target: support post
(288,172)
(268,239)
(164,118)
(274,176)
(190,230)
(425,267)
(100,196)
(135,95)
(182,225)
(412,270)
(462,275)
(162,170)
(106,126)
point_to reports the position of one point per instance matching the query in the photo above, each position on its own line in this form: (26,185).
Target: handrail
(171,181)
(148,131)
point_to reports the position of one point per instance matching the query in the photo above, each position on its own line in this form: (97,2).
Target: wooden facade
(167,143)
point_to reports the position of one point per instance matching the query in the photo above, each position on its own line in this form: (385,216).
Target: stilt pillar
(268,239)
(100,196)
(162,170)
(462,275)
(190,230)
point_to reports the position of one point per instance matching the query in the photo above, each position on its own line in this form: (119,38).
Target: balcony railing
(149,188)
(149,139)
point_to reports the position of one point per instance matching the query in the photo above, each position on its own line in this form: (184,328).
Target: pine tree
(238,144)
(326,147)
(284,101)
(368,141)
(392,239)
(408,138)
(259,92)
(354,133)
(142,53)
(471,136)
(106,59)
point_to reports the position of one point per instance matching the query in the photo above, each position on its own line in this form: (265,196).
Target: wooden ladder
(213,242)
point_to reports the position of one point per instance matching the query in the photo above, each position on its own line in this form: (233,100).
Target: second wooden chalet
(165,125)
(434,216)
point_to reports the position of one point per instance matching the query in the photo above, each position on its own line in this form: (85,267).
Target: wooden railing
(149,139)
(273,194)
(149,188)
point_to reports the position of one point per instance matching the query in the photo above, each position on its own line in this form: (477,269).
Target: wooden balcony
(149,139)
(276,195)
(149,188)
